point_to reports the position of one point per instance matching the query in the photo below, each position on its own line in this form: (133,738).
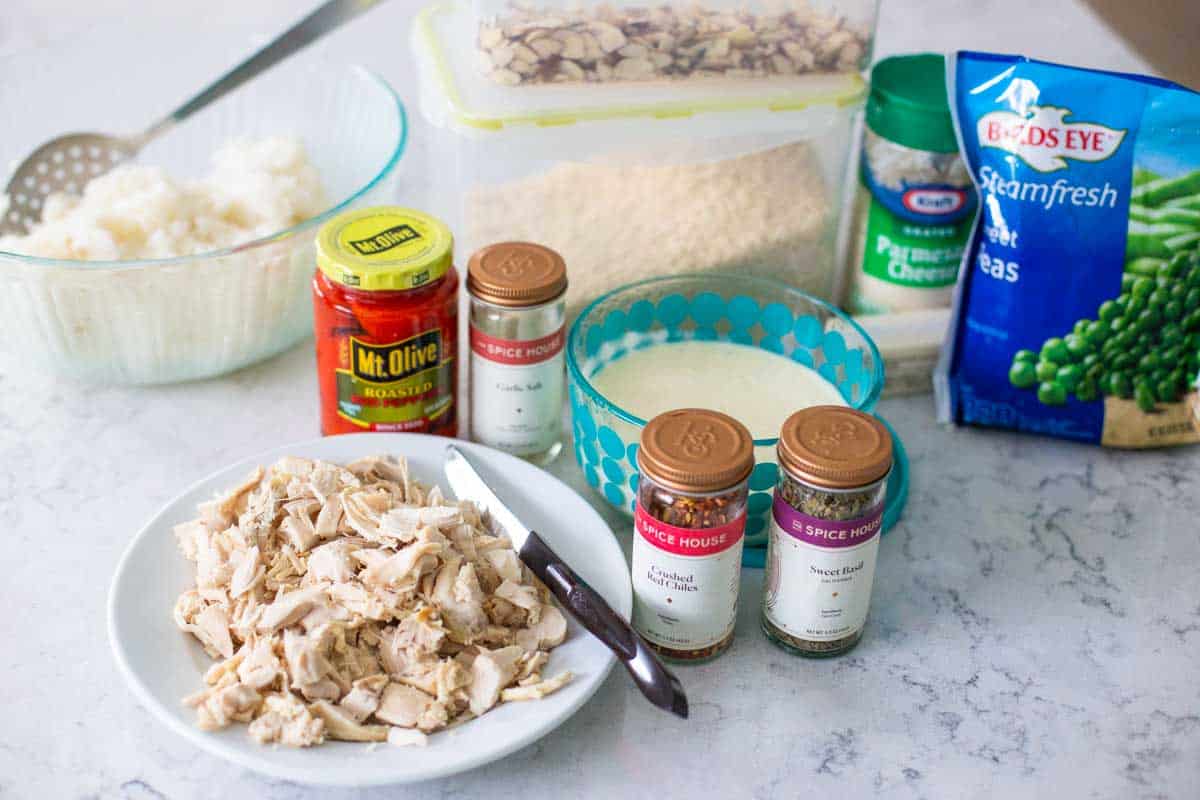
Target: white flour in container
(766,214)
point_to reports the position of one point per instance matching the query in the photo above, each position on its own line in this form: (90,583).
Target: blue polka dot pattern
(590,454)
(772,343)
(606,446)
(854,365)
(834,347)
(764,476)
(614,325)
(743,312)
(612,470)
(829,372)
(593,340)
(777,319)
(758,503)
(672,310)
(808,331)
(585,423)
(707,308)
(641,316)
(611,443)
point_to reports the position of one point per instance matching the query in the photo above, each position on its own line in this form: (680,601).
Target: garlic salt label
(685,581)
(516,391)
(819,572)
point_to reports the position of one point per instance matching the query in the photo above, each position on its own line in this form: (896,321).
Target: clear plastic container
(632,179)
(565,41)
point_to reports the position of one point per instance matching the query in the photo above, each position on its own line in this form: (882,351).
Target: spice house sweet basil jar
(824,533)
(689,527)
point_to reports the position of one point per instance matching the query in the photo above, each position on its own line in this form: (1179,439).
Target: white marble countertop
(1035,628)
(1035,624)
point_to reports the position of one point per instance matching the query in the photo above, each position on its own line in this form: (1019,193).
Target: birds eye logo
(1042,136)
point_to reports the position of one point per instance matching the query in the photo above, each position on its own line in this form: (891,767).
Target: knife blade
(655,681)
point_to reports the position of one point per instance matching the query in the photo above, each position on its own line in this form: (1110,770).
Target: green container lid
(908,105)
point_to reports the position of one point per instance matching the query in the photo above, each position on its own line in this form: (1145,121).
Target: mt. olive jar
(824,535)
(518,307)
(689,524)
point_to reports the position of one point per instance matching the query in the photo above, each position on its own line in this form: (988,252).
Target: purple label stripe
(827,532)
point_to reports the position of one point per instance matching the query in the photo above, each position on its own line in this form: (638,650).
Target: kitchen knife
(583,602)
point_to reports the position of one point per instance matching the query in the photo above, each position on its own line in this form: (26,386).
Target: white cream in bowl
(755,386)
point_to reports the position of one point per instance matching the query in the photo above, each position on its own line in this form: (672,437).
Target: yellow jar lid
(385,248)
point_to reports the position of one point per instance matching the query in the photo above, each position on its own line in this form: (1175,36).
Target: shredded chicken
(354,603)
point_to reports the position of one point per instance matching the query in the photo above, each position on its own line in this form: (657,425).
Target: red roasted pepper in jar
(385,301)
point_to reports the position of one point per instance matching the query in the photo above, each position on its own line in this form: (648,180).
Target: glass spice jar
(824,534)
(518,312)
(385,302)
(689,524)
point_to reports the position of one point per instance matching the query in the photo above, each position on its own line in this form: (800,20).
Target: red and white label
(685,581)
(514,352)
(691,542)
(517,392)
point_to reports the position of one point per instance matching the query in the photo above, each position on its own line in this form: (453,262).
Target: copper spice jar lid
(516,274)
(696,450)
(835,447)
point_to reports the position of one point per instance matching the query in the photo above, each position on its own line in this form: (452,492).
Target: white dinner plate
(162,664)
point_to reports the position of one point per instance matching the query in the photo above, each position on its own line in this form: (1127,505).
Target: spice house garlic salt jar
(824,534)
(518,310)
(689,524)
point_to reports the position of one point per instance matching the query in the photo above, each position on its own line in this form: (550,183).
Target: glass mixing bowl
(163,320)
(749,311)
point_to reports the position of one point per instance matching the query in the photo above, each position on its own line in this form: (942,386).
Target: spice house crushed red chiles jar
(824,534)
(689,525)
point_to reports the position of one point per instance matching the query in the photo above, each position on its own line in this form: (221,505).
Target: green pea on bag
(1077,313)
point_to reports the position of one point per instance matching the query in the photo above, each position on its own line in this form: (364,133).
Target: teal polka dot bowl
(750,311)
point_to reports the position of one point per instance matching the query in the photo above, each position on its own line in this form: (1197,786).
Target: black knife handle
(656,682)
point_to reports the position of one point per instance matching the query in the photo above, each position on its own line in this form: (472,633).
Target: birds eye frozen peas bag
(1078,309)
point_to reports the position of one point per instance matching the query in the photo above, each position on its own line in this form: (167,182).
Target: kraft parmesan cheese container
(914,204)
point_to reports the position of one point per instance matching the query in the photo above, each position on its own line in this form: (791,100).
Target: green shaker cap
(908,105)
